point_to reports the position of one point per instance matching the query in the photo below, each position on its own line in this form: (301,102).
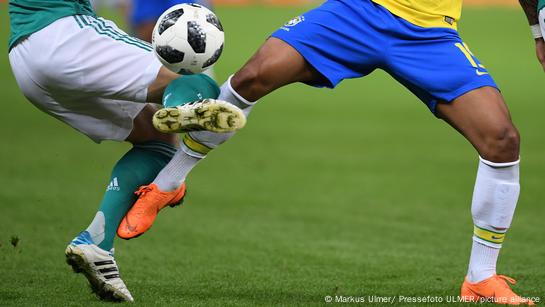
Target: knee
(501,145)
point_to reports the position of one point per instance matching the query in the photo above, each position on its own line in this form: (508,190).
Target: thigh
(435,64)
(339,39)
(274,65)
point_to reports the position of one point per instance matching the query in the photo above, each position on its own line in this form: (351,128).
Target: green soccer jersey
(540,5)
(29,16)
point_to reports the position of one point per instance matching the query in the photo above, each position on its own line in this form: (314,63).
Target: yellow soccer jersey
(426,13)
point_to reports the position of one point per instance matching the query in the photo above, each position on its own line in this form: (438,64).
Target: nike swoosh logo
(480,73)
(129,226)
(497,238)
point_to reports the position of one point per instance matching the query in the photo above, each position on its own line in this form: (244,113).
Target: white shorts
(541,14)
(87,73)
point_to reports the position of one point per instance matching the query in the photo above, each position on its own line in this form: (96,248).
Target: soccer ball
(188,38)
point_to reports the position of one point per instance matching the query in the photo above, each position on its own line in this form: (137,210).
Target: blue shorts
(149,10)
(350,38)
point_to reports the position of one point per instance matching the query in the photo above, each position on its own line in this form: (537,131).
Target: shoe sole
(76,259)
(208,114)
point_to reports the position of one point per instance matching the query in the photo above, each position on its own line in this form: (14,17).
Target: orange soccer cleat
(143,213)
(494,290)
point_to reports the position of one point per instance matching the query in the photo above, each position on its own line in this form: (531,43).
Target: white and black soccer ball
(188,38)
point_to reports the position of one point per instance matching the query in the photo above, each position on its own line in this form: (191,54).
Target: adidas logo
(113,186)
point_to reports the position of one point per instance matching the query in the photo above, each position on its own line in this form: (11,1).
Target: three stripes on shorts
(102,28)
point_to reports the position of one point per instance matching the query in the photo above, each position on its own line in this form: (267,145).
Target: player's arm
(530,9)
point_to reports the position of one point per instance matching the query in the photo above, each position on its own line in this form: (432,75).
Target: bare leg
(483,118)
(274,65)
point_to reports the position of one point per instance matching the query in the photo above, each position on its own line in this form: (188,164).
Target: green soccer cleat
(207,114)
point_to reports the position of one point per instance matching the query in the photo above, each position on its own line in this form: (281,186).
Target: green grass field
(357,191)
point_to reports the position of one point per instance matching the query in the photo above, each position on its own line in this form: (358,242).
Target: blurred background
(353,191)
(140,15)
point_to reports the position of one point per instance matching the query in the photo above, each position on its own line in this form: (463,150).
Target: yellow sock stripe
(488,235)
(194,145)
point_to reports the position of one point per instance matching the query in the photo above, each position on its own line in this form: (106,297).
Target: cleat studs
(161,114)
(207,114)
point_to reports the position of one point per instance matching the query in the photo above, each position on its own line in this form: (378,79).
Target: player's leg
(460,90)
(482,117)
(91,252)
(150,153)
(303,50)
(117,71)
(140,77)
(274,65)
(121,68)
(157,194)
(261,75)
(139,166)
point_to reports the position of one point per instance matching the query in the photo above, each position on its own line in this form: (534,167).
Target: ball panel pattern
(214,57)
(169,20)
(188,38)
(196,37)
(214,20)
(170,54)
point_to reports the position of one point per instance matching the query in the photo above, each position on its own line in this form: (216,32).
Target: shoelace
(143,190)
(508,279)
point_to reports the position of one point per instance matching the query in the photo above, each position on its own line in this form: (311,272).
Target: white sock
(482,263)
(97,228)
(211,140)
(174,173)
(494,201)
(196,145)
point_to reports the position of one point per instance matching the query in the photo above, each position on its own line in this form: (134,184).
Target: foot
(99,268)
(494,289)
(208,114)
(143,213)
